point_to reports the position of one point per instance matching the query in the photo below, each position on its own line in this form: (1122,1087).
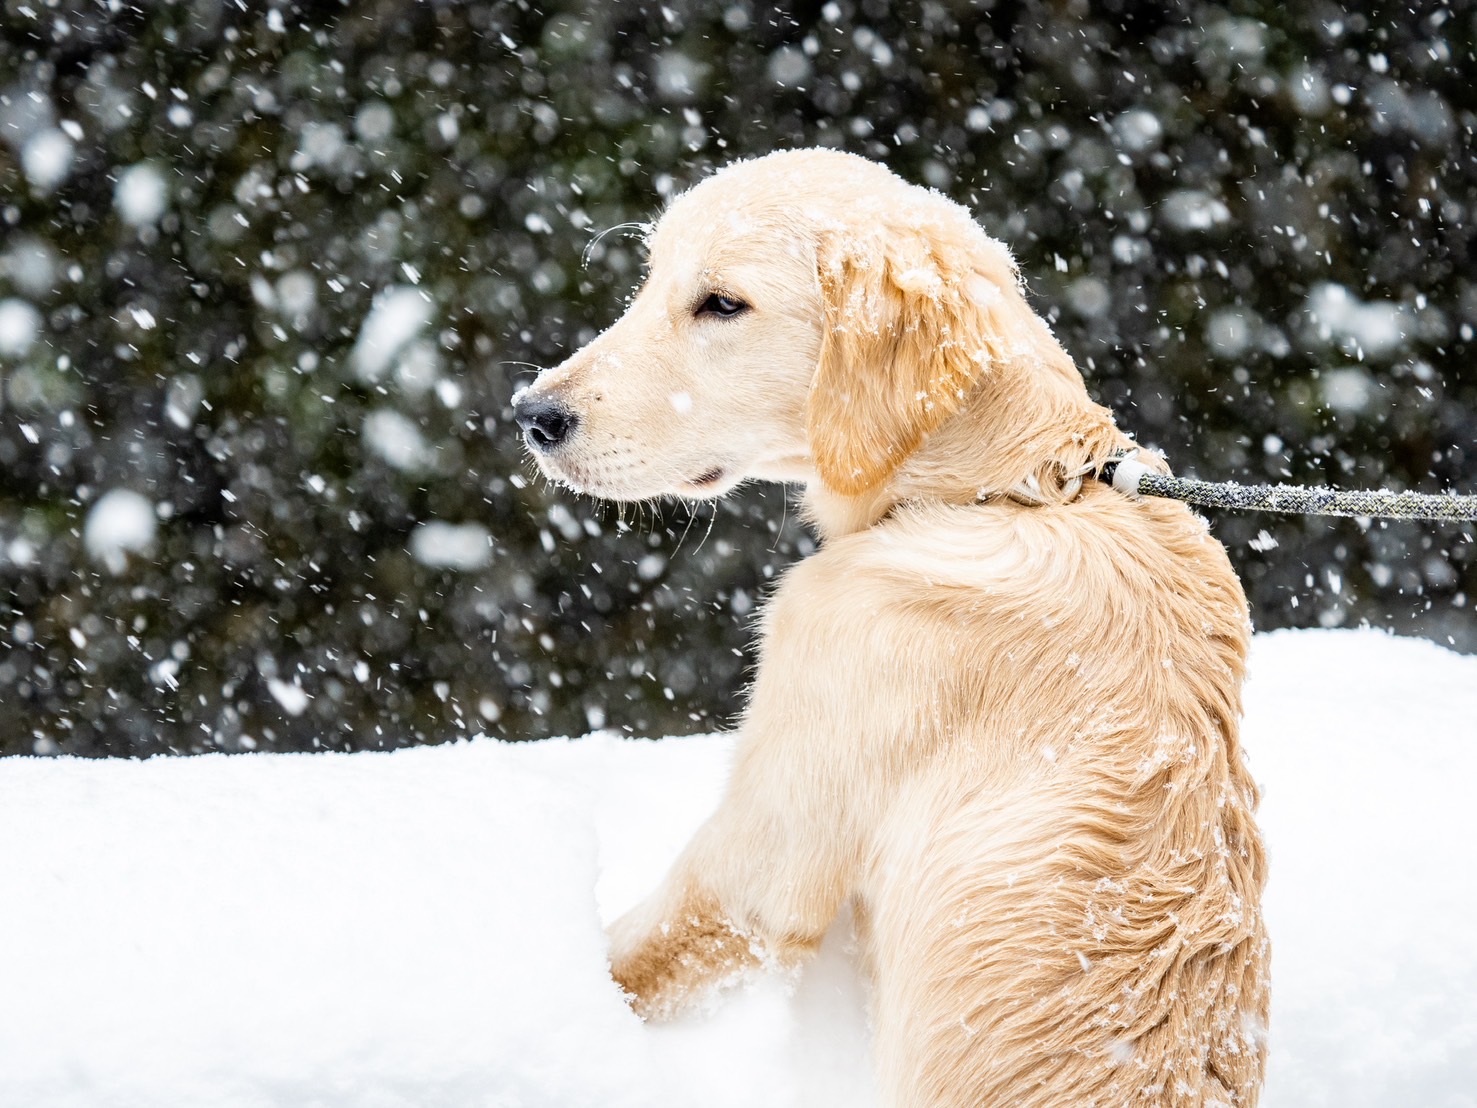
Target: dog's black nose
(545,424)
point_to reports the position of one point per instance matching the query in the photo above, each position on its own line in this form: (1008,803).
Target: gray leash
(1133,478)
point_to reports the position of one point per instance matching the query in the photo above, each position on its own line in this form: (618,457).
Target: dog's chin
(706,484)
(709,484)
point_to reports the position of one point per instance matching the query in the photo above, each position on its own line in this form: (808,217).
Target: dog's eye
(725,307)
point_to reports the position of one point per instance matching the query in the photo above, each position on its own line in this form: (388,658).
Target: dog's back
(1061,906)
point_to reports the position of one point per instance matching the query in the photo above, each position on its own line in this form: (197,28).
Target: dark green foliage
(1252,224)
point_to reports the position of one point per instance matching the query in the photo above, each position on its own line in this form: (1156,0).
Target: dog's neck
(1026,428)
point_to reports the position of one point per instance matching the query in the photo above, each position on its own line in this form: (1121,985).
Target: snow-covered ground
(423,928)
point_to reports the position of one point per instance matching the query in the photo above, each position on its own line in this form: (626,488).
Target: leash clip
(1124,473)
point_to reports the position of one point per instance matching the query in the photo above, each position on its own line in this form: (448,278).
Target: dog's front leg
(747,891)
(680,943)
(818,757)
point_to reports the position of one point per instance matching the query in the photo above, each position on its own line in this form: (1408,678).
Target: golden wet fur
(997,712)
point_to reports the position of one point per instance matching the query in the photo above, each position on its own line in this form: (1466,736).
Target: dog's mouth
(707,485)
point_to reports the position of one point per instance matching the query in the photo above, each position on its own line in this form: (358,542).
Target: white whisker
(635,225)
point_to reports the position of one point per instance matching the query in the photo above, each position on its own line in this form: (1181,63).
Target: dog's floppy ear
(916,312)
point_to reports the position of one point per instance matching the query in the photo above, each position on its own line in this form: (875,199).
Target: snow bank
(1366,748)
(423,928)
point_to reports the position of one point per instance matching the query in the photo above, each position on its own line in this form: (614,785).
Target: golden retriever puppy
(997,712)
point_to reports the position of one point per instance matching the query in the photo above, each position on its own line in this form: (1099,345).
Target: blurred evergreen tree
(278,271)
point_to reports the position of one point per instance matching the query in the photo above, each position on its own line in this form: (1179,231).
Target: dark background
(1250,223)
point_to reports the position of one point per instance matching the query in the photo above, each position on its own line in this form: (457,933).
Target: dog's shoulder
(1089,562)
(883,590)
(974,546)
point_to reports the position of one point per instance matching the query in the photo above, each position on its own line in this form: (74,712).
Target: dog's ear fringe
(916,316)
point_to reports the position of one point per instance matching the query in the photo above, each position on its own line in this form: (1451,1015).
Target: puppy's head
(806,315)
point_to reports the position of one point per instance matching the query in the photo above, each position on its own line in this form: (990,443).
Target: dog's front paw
(663,964)
(654,1003)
